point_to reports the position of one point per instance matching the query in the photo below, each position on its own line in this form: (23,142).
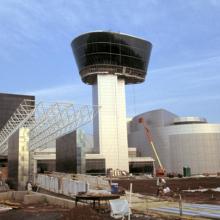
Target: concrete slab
(34,199)
(13,195)
(54,200)
(5,195)
(4,208)
(18,195)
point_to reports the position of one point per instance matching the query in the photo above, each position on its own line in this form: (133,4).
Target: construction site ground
(144,201)
(177,185)
(39,211)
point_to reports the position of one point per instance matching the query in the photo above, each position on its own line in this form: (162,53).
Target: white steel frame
(46,122)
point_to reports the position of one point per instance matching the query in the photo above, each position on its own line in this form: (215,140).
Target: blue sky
(184,70)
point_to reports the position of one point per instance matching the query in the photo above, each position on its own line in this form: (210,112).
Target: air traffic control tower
(108,61)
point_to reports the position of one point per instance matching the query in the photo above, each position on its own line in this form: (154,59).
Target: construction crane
(159,171)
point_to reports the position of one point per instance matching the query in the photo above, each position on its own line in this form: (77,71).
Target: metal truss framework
(17,120)
(46,122)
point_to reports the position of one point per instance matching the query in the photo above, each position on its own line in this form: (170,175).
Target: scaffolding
(46,122)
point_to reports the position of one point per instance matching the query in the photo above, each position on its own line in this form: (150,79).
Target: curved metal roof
(189,120)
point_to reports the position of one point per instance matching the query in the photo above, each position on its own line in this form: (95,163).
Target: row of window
(112,59)
(112,48)
(111,38)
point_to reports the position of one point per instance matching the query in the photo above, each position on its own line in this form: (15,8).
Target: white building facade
(180,141)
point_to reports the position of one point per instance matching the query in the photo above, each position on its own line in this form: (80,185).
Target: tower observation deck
(111,53)
(108,61)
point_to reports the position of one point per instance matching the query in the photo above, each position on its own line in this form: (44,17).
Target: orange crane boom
(160,171)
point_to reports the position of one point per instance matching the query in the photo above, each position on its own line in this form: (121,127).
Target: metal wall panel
(199,151)
(178,145)
(66,153)
(13,148)
(23,158)
(18,159)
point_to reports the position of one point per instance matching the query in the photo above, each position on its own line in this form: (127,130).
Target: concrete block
(18,195)
(5,195)
(33,199)
(64,203)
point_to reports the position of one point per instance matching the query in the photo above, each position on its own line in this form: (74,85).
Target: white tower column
(110,128)
(108,61)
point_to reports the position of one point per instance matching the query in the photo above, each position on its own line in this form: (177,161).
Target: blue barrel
(114,188)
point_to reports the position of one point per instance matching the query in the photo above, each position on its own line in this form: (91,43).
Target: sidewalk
(146,204)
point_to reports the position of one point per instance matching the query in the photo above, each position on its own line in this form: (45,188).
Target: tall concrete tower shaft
(110,131)
(108,61)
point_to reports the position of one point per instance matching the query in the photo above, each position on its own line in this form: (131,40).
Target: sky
(184,71)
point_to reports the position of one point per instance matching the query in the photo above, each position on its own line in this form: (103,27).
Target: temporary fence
(95,182)
(61,185)
(71,185)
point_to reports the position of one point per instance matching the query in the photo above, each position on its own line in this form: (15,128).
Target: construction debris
(3,186)
(13,205)
(4,208)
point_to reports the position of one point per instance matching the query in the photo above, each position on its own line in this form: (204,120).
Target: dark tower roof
(111,53)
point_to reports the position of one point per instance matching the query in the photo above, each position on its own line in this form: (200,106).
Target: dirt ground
(149,187)
(82,213)
(54,213)
(35,212)
(142,186)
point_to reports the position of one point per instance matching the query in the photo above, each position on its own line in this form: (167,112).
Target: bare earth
(142,186)
(148,187)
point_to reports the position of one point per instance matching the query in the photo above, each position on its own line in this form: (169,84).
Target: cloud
(77,93)
(190,65)
(28,24)
(190,84)
(185,58)
(199,73)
